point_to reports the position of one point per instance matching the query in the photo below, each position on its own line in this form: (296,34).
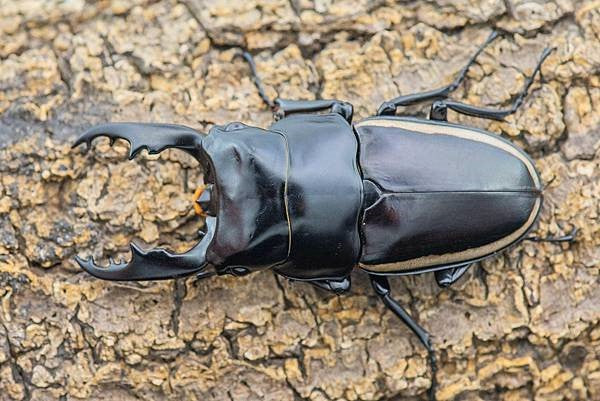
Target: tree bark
(521,325)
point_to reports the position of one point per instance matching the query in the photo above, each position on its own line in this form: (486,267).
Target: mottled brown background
(522,325)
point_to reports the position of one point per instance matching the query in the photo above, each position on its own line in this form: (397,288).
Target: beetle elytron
(314,195)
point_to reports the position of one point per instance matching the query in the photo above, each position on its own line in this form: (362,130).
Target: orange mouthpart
(197,207)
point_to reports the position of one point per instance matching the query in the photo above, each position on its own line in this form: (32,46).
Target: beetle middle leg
(285,107)
(335,286)
(439,109)
(381,286)
(446,277)
(389,107)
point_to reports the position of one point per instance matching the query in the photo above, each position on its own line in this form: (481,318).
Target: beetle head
(245,171)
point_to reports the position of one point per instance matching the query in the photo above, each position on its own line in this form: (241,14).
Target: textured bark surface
(522,325)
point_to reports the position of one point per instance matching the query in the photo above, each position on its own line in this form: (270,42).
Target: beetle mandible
(314,196)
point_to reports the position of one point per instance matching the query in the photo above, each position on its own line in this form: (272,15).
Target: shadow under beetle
(314,195)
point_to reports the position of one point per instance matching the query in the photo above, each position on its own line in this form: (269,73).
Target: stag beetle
(314,195)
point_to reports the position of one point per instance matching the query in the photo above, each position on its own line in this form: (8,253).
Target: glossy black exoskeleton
(314,196)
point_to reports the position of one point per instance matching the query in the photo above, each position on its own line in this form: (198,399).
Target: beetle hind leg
(381,286)
(569,238)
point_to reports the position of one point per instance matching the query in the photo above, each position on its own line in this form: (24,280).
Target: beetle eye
(209,177)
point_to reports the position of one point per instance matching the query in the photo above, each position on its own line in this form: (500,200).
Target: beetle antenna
(256,79)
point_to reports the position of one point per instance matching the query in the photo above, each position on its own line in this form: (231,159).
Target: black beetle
(314,196)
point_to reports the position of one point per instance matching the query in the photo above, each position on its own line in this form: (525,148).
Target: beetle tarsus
(256,79)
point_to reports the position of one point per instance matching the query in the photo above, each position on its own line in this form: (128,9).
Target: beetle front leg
(285,107)
(157,263)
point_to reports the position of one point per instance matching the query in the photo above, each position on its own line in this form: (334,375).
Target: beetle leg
(445,278)
(389,108)
(571,237)
(256,79)
(439,109)
(157,263)
(381,286)
(284,107)
(335,286)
